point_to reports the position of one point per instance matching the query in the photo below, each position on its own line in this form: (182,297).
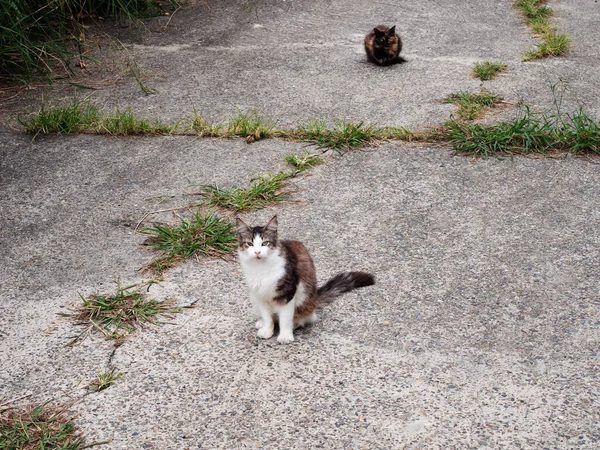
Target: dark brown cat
(383,46)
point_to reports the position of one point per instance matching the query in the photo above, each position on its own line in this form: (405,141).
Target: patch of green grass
(119,314)
(309,130)
(528,133)
(488,70)
(540,26)
(83,116)
(203,234)
(252,125)
(534,9)
(578,133)
(537,15)
(304,162)
(343,135)
(205,128)
(105,380)
(126,123)
(264,191)
(471,105)
(555,44)
(396,134)
(39,36)
(79,116)
(42,427)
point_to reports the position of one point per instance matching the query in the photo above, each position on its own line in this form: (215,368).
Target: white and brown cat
(282,280)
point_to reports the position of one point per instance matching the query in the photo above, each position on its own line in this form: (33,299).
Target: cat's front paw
(265,332)
(259,324)
(285,337)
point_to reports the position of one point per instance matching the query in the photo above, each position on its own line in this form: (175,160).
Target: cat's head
(256,243)
(384,36)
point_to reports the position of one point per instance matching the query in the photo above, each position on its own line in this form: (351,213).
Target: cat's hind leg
(303,321)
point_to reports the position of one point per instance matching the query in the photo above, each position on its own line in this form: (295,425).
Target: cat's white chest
(263,276)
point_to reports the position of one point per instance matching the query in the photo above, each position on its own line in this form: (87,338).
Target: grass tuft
(252,125)
(343,135)
(470,105)
(120,314)
(537,15)
(534,9)
(204,128)
(396,134)
(126,123)
(105,380)
(83,116)
(42,427)
(488,70)
(302,163)
(555,44)
(203,234)
(264,191)
(528,133)
(76,117)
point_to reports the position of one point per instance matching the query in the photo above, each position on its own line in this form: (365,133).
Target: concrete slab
(482,331)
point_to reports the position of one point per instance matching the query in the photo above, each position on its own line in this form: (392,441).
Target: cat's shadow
(400,61)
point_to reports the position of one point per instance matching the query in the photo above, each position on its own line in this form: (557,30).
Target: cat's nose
(257,252)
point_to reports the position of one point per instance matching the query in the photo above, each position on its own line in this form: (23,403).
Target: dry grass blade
(120,314)
(41,427)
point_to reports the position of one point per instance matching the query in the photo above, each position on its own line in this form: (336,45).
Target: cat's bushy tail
(342,283)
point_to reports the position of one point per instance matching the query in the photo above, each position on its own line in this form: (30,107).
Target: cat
(282,280)
(383,46)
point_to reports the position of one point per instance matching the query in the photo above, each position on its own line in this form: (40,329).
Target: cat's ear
(392,31)
(241,227)
(271,224)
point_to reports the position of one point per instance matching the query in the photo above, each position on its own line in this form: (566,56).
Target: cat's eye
(266,243)
(248,244)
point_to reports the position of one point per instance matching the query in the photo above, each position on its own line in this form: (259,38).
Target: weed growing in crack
(119,314)
(105,380)
(83,116)
(537,15)
(42,427)
(534,10)
(252,125)
(126,123)
(488,70)
(302,163)
(555,44)
(203,234)
(470,105)
(79,116)
(264,191)
(343,135)
(528,133)
(309,130)
(397,134)
(205,128)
